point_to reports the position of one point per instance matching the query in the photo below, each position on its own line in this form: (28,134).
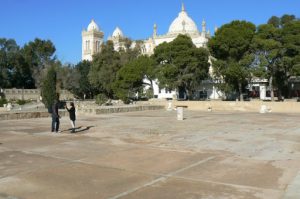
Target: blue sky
(62,21)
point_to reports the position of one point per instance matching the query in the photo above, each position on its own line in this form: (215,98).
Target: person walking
(72,115)
(55,117)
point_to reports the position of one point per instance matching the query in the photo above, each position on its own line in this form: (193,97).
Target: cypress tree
(48,89)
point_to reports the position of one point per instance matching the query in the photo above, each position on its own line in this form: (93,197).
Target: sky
(62,21)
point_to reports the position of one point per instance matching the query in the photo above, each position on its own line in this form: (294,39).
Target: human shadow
(70,129)
(78,129)
(81,129)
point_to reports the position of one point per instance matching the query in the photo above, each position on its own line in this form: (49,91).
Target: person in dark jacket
(72,115)
(55,117)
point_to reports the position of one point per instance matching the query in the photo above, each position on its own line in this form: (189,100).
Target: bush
(126,100)
(21,102)
(101,99)
(149,93)
(3,101)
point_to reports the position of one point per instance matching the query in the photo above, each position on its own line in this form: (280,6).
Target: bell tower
(92,39)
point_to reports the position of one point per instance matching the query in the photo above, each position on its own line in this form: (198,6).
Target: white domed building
(183,24)
(92,38)
(118,39)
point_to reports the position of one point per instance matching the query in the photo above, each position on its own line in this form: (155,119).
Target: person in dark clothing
(55,117)
(72,115)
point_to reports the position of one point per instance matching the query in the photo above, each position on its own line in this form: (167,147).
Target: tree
(78,82)
(38,55)
(268,49)
(48,89)
(104,69)
(68,77)
(285,19)
(275,21)
(181,65)
(133,76)
(290,40)
(290,65)
(8,53)
(106,64)
(276,46)
(21,73)
(22,68)
(231,48)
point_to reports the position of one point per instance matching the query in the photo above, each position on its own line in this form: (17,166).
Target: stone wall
(14,115)
(249,106)
(118,109)
(252,106)
(32,94)
(130,108)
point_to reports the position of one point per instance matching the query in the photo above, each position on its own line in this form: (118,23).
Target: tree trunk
(240,91)
(271,88)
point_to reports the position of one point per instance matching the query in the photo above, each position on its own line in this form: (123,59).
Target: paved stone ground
(151,155)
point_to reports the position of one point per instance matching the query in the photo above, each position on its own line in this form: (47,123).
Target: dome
(183,23)
(93,26)
(117,32)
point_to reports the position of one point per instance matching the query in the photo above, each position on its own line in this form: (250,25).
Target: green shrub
(21,102)
(149,93)
(101,99)
(3,101)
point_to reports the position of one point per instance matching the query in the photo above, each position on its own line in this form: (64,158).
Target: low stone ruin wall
(119,109)
(104,110)
(14,115)
(247,106)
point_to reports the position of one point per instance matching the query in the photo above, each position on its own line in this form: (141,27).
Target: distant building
(92,38)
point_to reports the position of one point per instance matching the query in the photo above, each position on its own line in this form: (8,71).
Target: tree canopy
(38,55)
(107,63)
(231,48)
(79,83)
(8,59)
(181,65)
(276,46)
(23,67)
(133,77)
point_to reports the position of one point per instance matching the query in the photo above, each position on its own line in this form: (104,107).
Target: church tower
(92,39)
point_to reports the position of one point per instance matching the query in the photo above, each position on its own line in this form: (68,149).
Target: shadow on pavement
(78,129)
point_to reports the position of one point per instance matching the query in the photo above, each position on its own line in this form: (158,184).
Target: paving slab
(149,154)
(75,180)
(189,189)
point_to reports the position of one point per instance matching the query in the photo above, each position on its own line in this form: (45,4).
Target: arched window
(87,45)
(97,48)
